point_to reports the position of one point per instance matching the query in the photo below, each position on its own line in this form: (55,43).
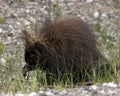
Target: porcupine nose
(25,70)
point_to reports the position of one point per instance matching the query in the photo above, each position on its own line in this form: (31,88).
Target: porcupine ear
(29,38)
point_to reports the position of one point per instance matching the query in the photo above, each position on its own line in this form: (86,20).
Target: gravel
(16,16)
(105,89)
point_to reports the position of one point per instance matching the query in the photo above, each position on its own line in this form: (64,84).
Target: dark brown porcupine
(65,46)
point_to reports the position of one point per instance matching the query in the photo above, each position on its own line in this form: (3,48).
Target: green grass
(1,20)
(1,47)
(109,44)
(12,79)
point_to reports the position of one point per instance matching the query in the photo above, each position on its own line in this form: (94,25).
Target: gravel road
(105,89)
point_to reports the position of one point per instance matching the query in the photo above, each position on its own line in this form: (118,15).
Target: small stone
(112,84)
(18,23)
(104,84)
(94,87)
(9,39)
(104,15)
(70,4)
(34,94)
(27,11)
(49,94)
(89,1)
(63,92)
(112,93)
(26,23)
(41,92)
(102,92)
(32,20)
(10,26)
(3,61)
(0,30)
(96,14)
(19,94)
